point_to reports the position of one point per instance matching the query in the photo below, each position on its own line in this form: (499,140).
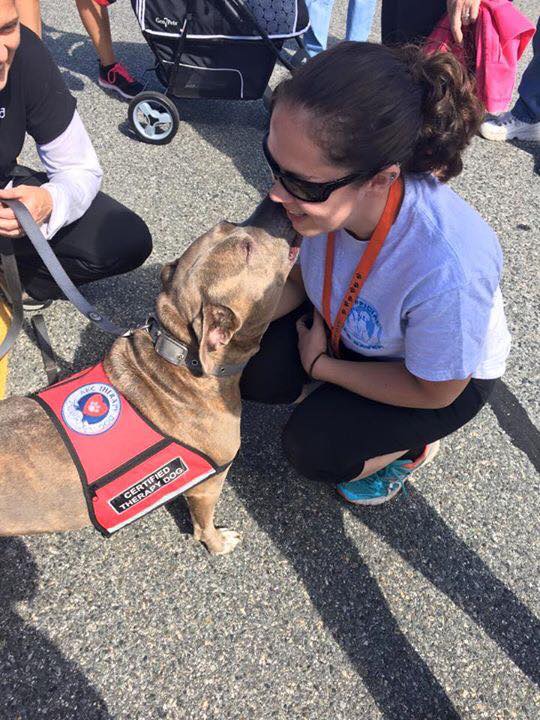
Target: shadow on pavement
(515,421)
(533,148)
(125,299)
(75,55)
(433,549)
(305,521)
(218,122)
(35,679)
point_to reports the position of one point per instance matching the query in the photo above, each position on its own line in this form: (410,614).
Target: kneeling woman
(408,332)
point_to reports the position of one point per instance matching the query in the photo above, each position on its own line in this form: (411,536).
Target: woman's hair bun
(451,111)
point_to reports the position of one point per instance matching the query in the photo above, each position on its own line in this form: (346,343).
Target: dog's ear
(167,272)
(219,323)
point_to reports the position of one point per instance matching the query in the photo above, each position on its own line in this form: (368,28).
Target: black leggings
(107,240)
(331,433)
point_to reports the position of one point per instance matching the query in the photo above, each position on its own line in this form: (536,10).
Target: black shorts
(331,433)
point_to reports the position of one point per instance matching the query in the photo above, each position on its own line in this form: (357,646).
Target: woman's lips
(293,213)
(296,217)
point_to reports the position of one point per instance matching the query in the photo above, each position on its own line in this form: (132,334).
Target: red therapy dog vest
(127,467)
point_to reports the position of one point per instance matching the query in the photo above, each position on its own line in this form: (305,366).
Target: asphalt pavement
(422,608)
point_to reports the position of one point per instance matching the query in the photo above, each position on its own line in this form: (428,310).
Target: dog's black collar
(177,353)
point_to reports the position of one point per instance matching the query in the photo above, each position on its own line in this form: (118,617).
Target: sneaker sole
(375,501)
(431,455)
(27,307)
(493,134)
(114,88)
(40,306)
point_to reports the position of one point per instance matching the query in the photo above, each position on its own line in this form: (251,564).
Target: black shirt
(35,101)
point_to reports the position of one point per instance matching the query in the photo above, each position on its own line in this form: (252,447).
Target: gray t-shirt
(432,297)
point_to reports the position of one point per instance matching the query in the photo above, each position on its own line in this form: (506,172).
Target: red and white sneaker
(117,78)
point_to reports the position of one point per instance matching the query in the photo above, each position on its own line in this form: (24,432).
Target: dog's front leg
(202,501)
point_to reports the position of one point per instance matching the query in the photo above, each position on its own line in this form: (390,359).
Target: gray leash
(60,276)
(165,345)
(14,290)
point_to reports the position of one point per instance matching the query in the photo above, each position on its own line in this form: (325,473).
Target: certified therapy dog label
(150,485)
(126,465)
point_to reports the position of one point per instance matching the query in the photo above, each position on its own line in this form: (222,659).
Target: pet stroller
(212,49)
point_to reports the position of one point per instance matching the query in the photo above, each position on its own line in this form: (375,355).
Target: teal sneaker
(384,484)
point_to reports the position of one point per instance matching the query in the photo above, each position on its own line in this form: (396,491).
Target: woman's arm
(74,175)
(387,382)
(293,294)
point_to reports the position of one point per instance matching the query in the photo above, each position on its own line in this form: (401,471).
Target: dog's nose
(271,217)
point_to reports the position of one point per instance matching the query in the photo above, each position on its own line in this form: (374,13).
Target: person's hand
(38,200)
(312,341)
(461,12)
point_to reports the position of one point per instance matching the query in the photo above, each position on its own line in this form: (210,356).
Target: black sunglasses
(305,190)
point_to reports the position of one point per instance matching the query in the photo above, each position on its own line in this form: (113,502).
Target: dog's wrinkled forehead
(227,252)
(205,245)
(195,255)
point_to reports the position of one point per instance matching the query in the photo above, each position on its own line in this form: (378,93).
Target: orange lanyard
(359,277)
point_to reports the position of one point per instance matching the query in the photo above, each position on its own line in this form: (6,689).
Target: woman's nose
(278,193)
(4,52)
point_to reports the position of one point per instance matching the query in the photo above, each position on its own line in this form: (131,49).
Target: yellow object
(4,325)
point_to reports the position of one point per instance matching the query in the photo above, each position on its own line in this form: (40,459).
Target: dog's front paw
(223,542)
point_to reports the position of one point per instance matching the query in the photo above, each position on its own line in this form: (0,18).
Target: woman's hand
(38,200)
(461,12)
(312,342)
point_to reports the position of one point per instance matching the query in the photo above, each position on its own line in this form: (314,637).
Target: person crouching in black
(93,235)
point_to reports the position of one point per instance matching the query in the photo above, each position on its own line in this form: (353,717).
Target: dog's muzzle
(272,218)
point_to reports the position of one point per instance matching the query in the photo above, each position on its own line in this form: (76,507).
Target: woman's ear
(383,179)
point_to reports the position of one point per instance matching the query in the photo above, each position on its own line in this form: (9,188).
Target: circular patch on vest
(92,409)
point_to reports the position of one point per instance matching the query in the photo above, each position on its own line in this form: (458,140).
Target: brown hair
(373,106)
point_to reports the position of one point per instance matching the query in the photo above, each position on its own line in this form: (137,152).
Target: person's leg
(112,74)
(316,37)
(409,21)
(95,19)
(360,18)
(523,121)
(275,374)
(527,108)
(107,240)
(336,436)
(30,14)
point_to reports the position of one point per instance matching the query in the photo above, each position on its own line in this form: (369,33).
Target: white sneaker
(508,127)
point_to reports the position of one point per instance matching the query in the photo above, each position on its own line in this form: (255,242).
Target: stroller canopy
(219,19)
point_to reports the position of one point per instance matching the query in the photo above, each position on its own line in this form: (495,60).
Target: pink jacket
(491,49)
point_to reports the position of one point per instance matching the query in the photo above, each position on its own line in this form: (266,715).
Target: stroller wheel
(154,117)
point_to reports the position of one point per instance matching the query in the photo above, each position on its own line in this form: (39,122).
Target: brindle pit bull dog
(218,299)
